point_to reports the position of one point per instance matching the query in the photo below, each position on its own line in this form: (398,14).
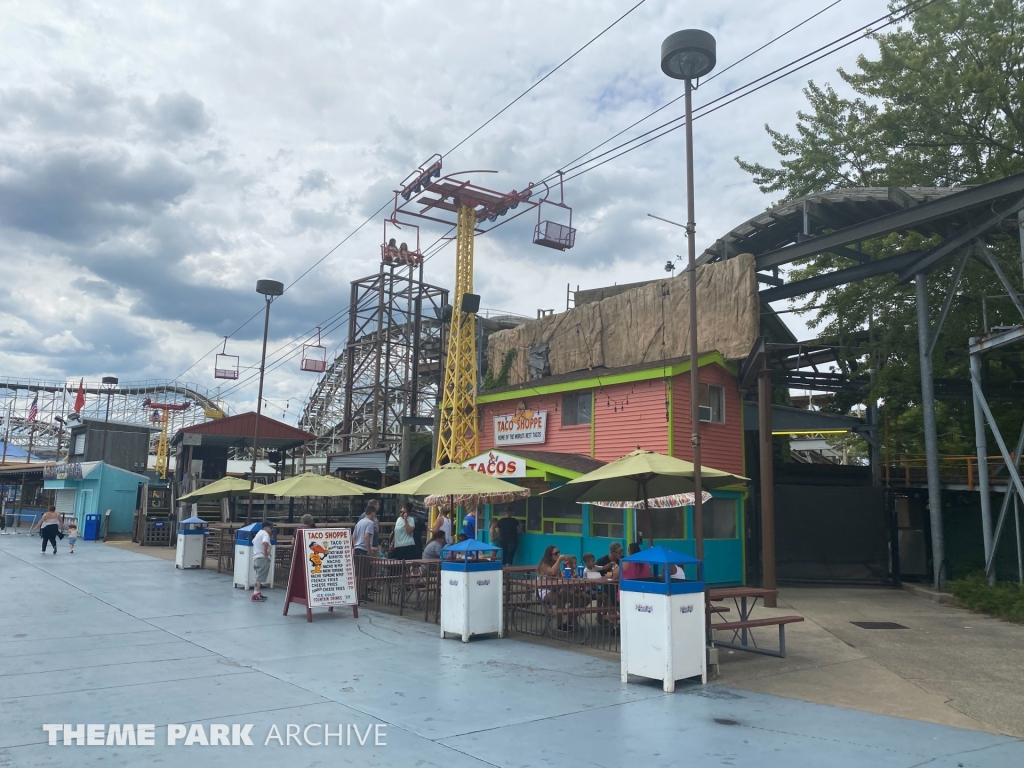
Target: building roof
(574,462)
(238,430)
(17,468)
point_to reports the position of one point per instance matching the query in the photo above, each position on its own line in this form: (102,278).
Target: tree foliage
(941,105)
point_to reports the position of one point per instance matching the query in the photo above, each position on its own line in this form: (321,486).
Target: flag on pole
(80,397)
(33,410)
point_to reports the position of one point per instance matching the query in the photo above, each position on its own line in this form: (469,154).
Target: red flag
(80,397)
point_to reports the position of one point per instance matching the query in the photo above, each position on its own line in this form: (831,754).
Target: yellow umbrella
(309,484)
(459,485)
(226,486)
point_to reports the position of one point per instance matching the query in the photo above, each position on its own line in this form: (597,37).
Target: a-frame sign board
(323,572)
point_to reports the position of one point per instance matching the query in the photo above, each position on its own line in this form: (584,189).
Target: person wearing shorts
(261,560)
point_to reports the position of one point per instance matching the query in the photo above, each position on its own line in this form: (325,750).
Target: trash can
(662,618)
(91,530)
(191,548)
(471,590)
(245,573)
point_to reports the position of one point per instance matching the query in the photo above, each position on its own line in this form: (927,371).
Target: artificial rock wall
(630,328)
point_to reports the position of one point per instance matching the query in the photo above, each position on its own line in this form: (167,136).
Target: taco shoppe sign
(497,464)
(520,428)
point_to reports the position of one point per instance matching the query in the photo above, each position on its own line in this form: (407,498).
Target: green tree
(941,105)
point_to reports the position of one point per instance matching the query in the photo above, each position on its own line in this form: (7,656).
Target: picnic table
(745,599)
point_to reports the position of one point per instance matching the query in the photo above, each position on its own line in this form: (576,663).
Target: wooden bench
(737,626)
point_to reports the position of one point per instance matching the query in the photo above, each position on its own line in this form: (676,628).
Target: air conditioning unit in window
(705,412)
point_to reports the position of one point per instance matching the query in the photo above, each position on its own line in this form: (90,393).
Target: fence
(953,470)
(411,586)
(575,611)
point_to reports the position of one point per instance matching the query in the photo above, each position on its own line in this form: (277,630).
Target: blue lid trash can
(472,590)
(91,530)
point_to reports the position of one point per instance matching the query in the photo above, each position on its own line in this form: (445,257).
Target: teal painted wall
(111,488)
(723,558)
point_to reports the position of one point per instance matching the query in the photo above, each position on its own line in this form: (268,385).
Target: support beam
(908,218)
(990,562)
(1006,283)
(931,435)
(840,277)
(1011,466)
(981,446)
(960,239)
(767,479)
(947,303)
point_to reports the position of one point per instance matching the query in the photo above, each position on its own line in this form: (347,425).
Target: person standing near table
(469,524)
(261,554)
(443,523)
(405,542)
(508,526)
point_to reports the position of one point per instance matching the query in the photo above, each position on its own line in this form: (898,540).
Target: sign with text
(330,568)
(62,472)
(497,464)
(520,428)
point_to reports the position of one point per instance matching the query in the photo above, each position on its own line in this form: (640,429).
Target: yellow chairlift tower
(161,415)
(475,209)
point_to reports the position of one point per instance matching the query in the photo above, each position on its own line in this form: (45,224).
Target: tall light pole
(109,382)
(269,289)
(689,55)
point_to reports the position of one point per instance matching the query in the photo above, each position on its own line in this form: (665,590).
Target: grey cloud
(74,104)
(83,195)
(316,180)
(310,219)
(175,116)
(99,288)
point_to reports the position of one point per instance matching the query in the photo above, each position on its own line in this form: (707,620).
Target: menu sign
(520,428)
(330,569)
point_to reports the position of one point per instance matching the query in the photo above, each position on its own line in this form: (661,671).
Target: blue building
(93,487)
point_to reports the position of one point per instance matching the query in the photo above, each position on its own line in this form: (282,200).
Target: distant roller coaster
(55,401)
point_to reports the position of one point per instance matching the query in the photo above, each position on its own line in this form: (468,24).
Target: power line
(708,80)
(549,74)
(748,89)
(389,201)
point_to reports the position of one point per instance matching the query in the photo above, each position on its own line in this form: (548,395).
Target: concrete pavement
(110,636)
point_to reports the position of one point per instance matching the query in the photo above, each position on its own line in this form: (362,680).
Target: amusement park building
(584,419)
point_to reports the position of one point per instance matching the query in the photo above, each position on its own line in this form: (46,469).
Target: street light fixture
(109,384)
(689,55)
(270,290)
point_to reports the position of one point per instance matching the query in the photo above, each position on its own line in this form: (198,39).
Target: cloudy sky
(156,159)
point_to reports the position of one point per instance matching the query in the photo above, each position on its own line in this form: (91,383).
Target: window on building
(661,523)
(79,444)
(720,518)
(533,514)
(712,403)
(606,523)
(561,516)
(576,408)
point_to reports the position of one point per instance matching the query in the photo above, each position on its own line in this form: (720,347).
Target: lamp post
(109,382)
(269,289)
(689,55)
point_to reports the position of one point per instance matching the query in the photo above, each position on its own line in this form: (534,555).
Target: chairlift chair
(225,366)
(314,356)
(549,233)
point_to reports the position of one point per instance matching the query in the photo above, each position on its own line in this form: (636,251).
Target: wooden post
(764,395)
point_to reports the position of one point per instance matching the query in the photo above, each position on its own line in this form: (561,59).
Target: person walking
(469,524)
(49,528)
(405,543)
(365,531)
(508,526)
(72,535)
(261,560)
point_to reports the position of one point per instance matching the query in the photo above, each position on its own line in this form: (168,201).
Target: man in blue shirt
(469,524)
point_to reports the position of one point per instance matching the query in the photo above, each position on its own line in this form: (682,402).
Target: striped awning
(662,502)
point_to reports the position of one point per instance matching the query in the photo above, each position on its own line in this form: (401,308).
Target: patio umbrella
(459,485)
(310,484)
(639,476)
(226,486)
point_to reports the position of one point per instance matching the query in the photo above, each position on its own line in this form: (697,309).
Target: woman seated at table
(548,570)
(433,549)
(636,570)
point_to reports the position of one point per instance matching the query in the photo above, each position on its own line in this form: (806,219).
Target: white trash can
(191,547)
(663,634)
(245,572)
(471,590)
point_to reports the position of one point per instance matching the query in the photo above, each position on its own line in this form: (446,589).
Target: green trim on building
(655,372)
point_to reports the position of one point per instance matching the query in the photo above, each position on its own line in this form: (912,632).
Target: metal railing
(575,611)
(953,470)
(412,587)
